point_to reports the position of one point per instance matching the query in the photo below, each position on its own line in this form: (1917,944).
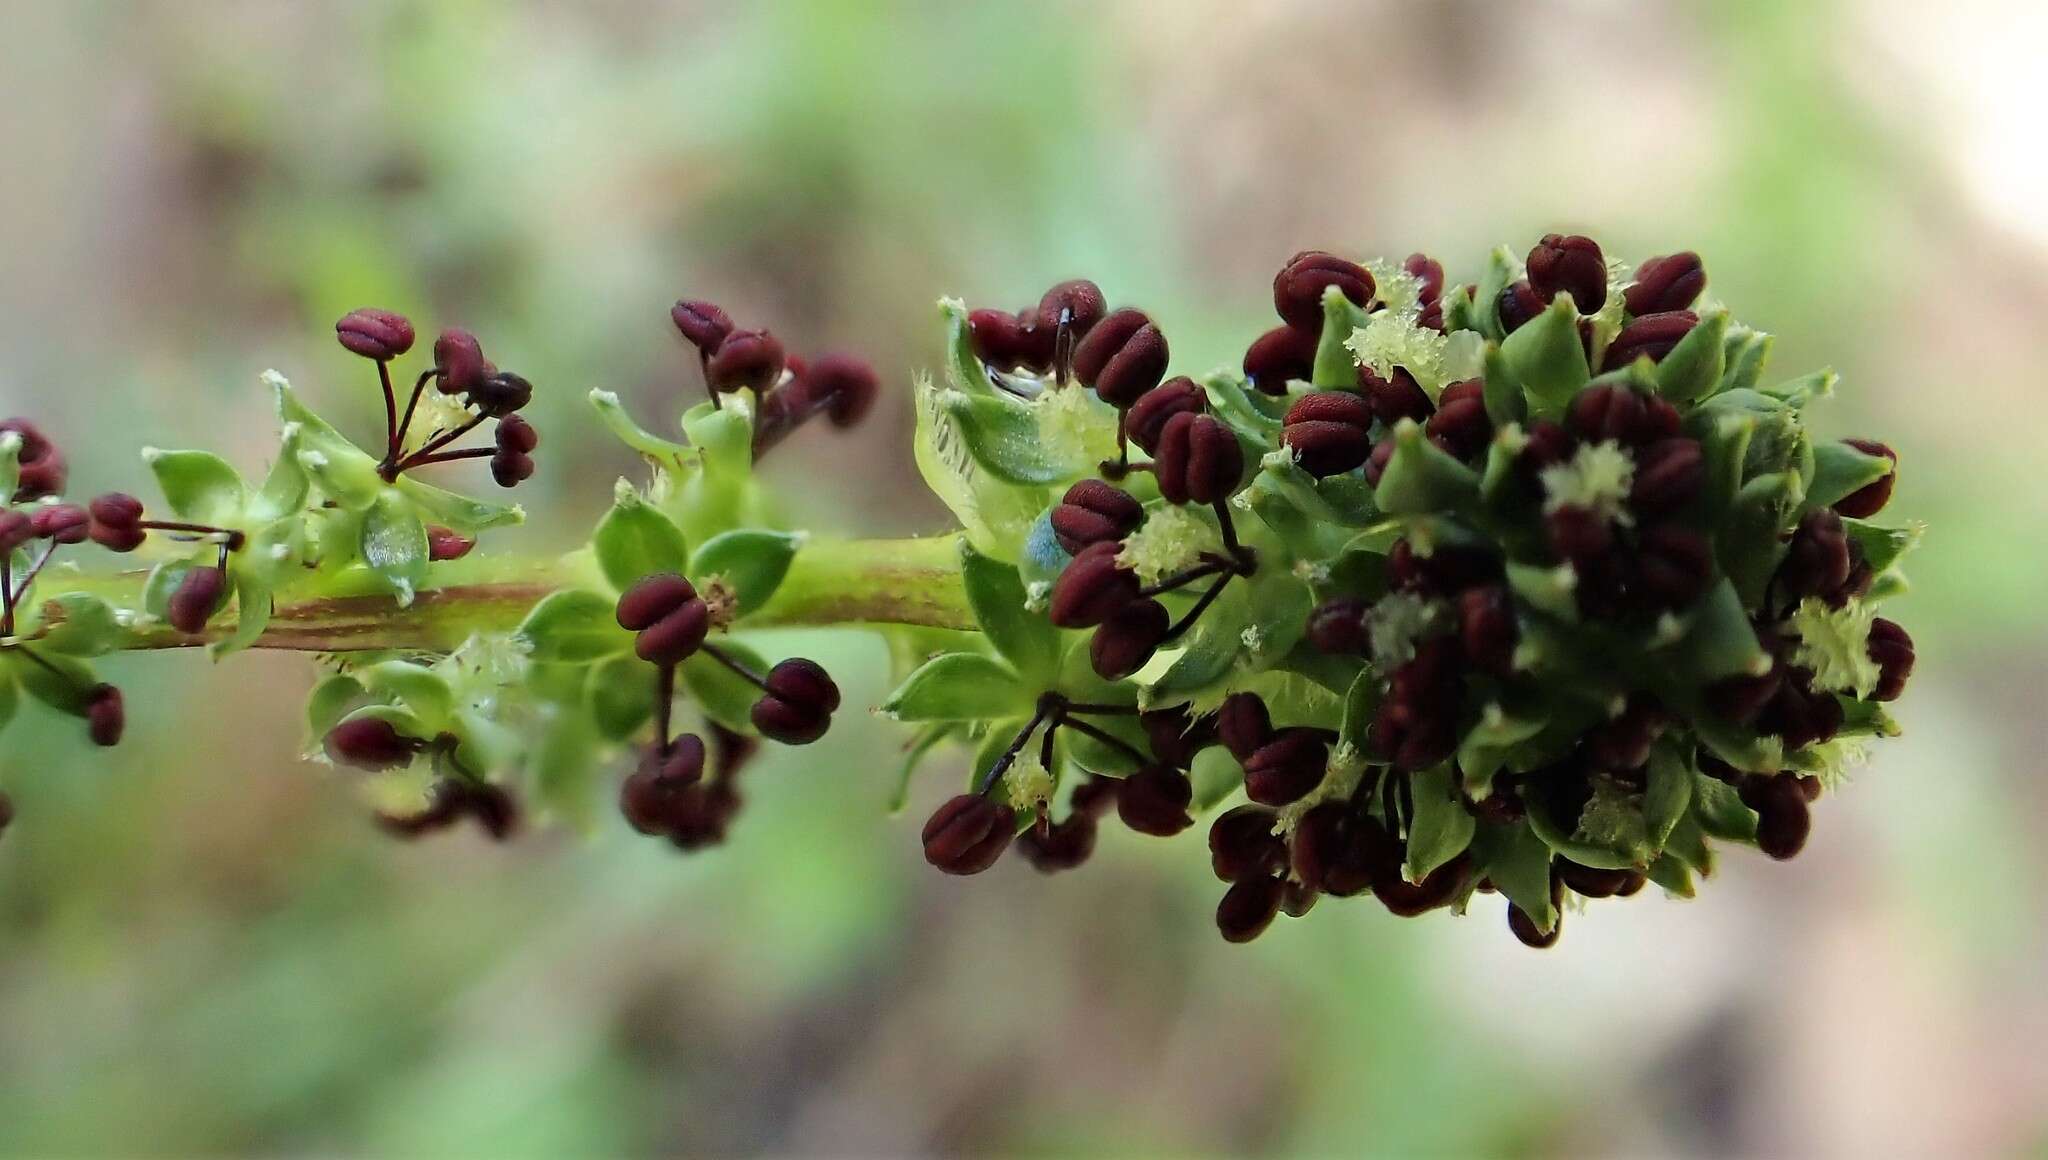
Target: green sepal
(1251,414)
(622,426)
(964,371)
(750,561)
(574,626)
(636,540)
(1558,834)
(482,745)
(1719,640)
(724,436)
(198,486)
(1502,389)
(1442,827)
(1718,810)
(1500,270)
(460,512)
(79,625)
(10,464)
(1840,470)
(1421,477)
(620,696)
(1745,353)
(1002,435)
(1361,705)
(1882,547)
(995,515)
(163,581)
(327,704)
(1806,389)
(1693,368)
(1546,356)
(723,695)
(1673,875)
(1725,441)
(1026,639)
(1502,727)
(1459,313)
(1099,757)
(420,689)
(254,603)
(1517,861)
(286,488)
(61,682)
(394,546)
(960,687)
(1667,796)
(1747,545)
(1336,368)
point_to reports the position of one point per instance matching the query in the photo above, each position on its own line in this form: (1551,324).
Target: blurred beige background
(208,950)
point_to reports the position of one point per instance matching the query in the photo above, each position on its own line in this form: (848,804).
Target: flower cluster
(1531,586)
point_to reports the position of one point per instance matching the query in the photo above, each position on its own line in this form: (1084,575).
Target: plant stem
(830,583)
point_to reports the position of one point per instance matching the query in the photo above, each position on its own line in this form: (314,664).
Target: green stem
(830,583)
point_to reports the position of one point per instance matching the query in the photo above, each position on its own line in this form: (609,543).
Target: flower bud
(1248,908)
(1286,768)
(63,523)
(1868,500)
(1155,801)
(447,543)
(1613,412)
(106,716)
(374,334)
(16,529)
(1329,432)
(669,616)
(843,385)
(43,467)
(1280,354)
(651,797)
(1242,845)
(499,395)
(1573,264)
(1123,357)
(1077,304)
(1487,629)
(967,833)
(1397,398)
(459,363)
(1064,846)
(510,468)
(198,596)
(1461,426)
(1666,284)
(1517,305)
(1817,560)
(1674,565)
(1337,626)
(1429,272)
(370,743)
(702,324)
(1092,587)
(1298,287)
(1782,817)
(752,359)
(1892,649)
(1651,336)
(1243,725)
(1144,421)
(798,705)
(1128,638)
(1094,512)
(1669,474)
(1527,932)
(516,435)
(1198,460)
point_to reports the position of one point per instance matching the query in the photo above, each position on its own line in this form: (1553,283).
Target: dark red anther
(1613,412)
(1892,649)
(16,529)
(797,706)
(1077,305)
(1461,426)
(702,324)
(1592,882)
(1868,500)
(447,543)
(1248,908)
(510,468)
(1668,476)
(1062,846)
(1278,356)
(1198,460)
(1337,626)
(1397,398)
(1547,445)
(1674,564)
(370,743)
(1095,796)
(1578,534)
(1148,416)
(967,833)
(1437,888)
(1094,512)
(1176,737)
(1572,264)
(43,467)
(1243,725)
(1124,642)
(1665,284)
(669,616)
(197,597)
(1487,629)
(1739,699)
(1298,287)
(1092,587)
(1376,463)
(750,359)
(1799,714)
(845,386)
(516,435)
(1527,932)
(1242,844)
(1623,742)
(1155,801)
(1517,304)
(653,797)
(1286,768)
(998,339)
(501,393)
(1783,819)
(459,363)
(1651,336)
(374,334)
(1123,357)
(61,523)
(1329,432)
(1817,560)
(1429,272)
(106,716)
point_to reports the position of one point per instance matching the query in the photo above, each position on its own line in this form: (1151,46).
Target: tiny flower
(1123,357)
(1155,801)
(967,833)
(62,523)
(651,797)
(372,744)
(43,467)
(1461,426)
(1329,432)
(1650,336)
(459,363)
(1094,512)
(1279,355)
(797,706)
(669,616)
(1243,725)
(1487,629)
(1665,284)
(1817,560)
(1248,908)
(1128,638)
(106,717)
(374,334)
(1064,846)
(500,394)
(1578,534)
(1286,768)
(1892,649)
(1868,500)
(1674,564)
(1783,820)
(1517,304)
(116,522)
(1429,273)
(16,529)
(1198,460)
(1091,588)
(1242,844)
(1668,476)
(1572,264)
(447,543)
(750,359)
(702,324)
(1298,287)
(1337,626)
(1076,305)
(1146,417)
(1395,397)
(198,596)
(513,463)
(1616,413)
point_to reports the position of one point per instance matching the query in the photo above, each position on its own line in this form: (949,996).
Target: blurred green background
(207,949)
